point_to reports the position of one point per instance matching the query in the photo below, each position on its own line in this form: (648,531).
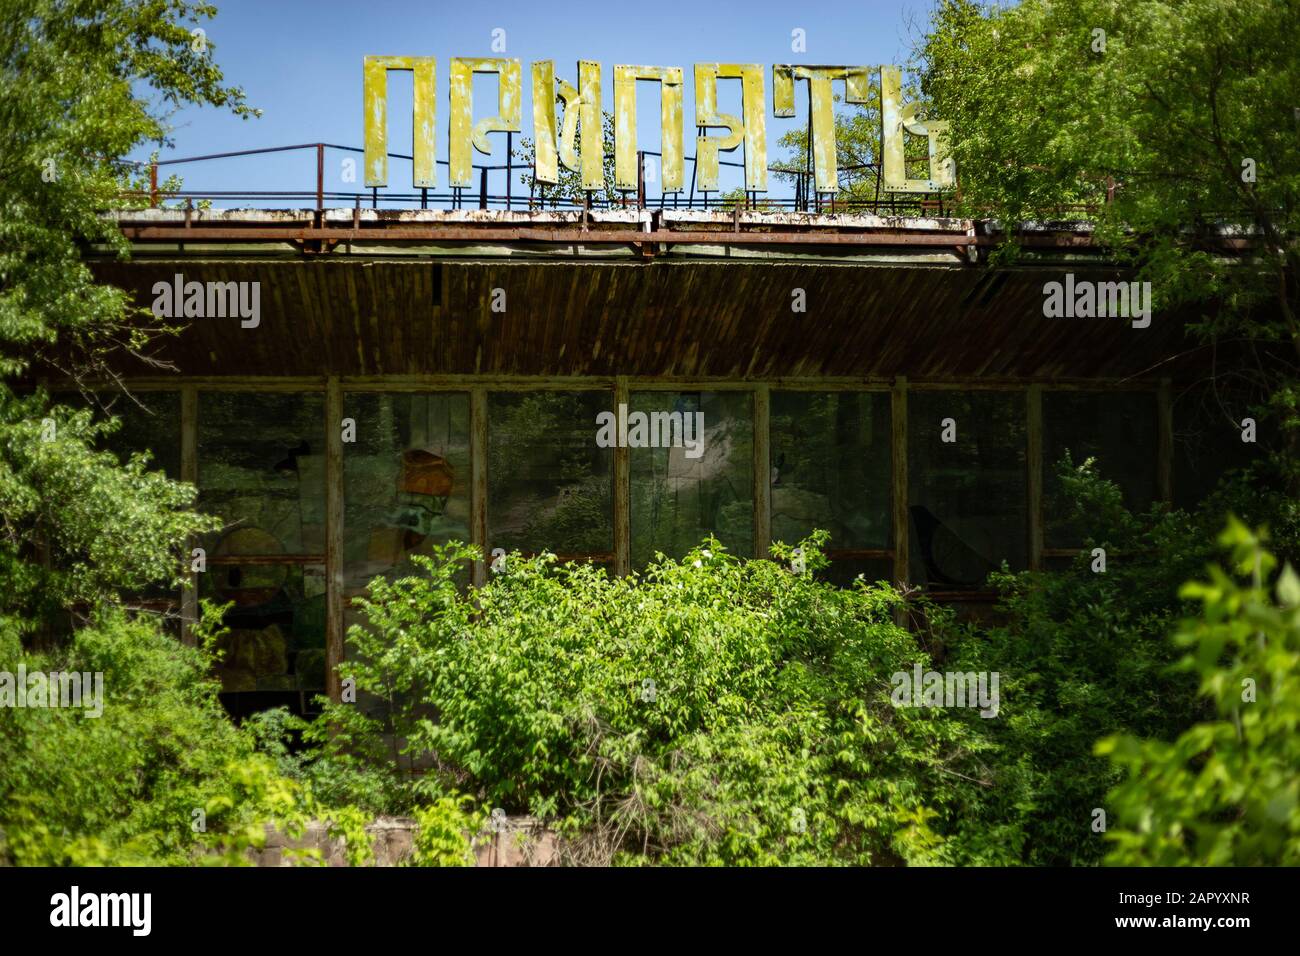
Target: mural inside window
(830,454)
(966,486)
(274,652)
(262,470)
(681,494)
(405,481)
(550,486)
(1118,429)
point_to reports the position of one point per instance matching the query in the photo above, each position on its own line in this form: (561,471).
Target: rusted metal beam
(201,233)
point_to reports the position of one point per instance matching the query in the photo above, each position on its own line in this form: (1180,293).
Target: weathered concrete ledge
(520,841)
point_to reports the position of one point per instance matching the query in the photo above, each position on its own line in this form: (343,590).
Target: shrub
(1225,792)
(710,710)
(124,788)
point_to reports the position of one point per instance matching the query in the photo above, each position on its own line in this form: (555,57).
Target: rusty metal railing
(864,195)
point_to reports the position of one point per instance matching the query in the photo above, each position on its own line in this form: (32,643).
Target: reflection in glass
(550,487)
(678,500)
(830,456)
(1116,428)
(262,468)
(405,481)
(274,652)
(966,496)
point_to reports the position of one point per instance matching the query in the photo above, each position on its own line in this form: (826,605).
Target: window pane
(1207,441)
(550,487)
(405,481)
(966,496)
(677,499)
(262,469)
(1116,428)
(845,572)
(151,422)
(830,467)
(275,649)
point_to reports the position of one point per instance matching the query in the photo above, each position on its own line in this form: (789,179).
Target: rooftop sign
(579,146)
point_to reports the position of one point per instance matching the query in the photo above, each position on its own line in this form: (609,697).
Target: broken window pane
(550,486)
(262,470)
(1116,428)
(966,485)
(682,494)
(830,455)
(405,481)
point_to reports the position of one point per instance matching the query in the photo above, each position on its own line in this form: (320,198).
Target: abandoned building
(377,381)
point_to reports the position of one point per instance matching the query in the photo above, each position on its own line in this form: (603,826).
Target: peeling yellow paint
(548,153)
(753,130)
(670,121)
(894,120)
(509,105)
(424,169)
(857,82)
(582,108)
(593,123)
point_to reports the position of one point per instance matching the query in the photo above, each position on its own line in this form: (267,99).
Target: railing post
(320,185)
(153,185)
(482,189)
(640,179)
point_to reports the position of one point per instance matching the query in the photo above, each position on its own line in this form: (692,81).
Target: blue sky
(300,62)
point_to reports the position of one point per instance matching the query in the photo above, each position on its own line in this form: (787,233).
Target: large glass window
(550,486)
(1118,429)
(682,494)
(405,481)
(830,454)
(261,464)
(262,469)
(966,485)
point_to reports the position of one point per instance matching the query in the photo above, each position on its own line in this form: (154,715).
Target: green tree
(1225,792)
(82,83)
(1170,124)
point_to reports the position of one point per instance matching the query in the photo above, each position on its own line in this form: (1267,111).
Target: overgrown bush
(161,777)
(1085,655)
(710,710)
(1225,792)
